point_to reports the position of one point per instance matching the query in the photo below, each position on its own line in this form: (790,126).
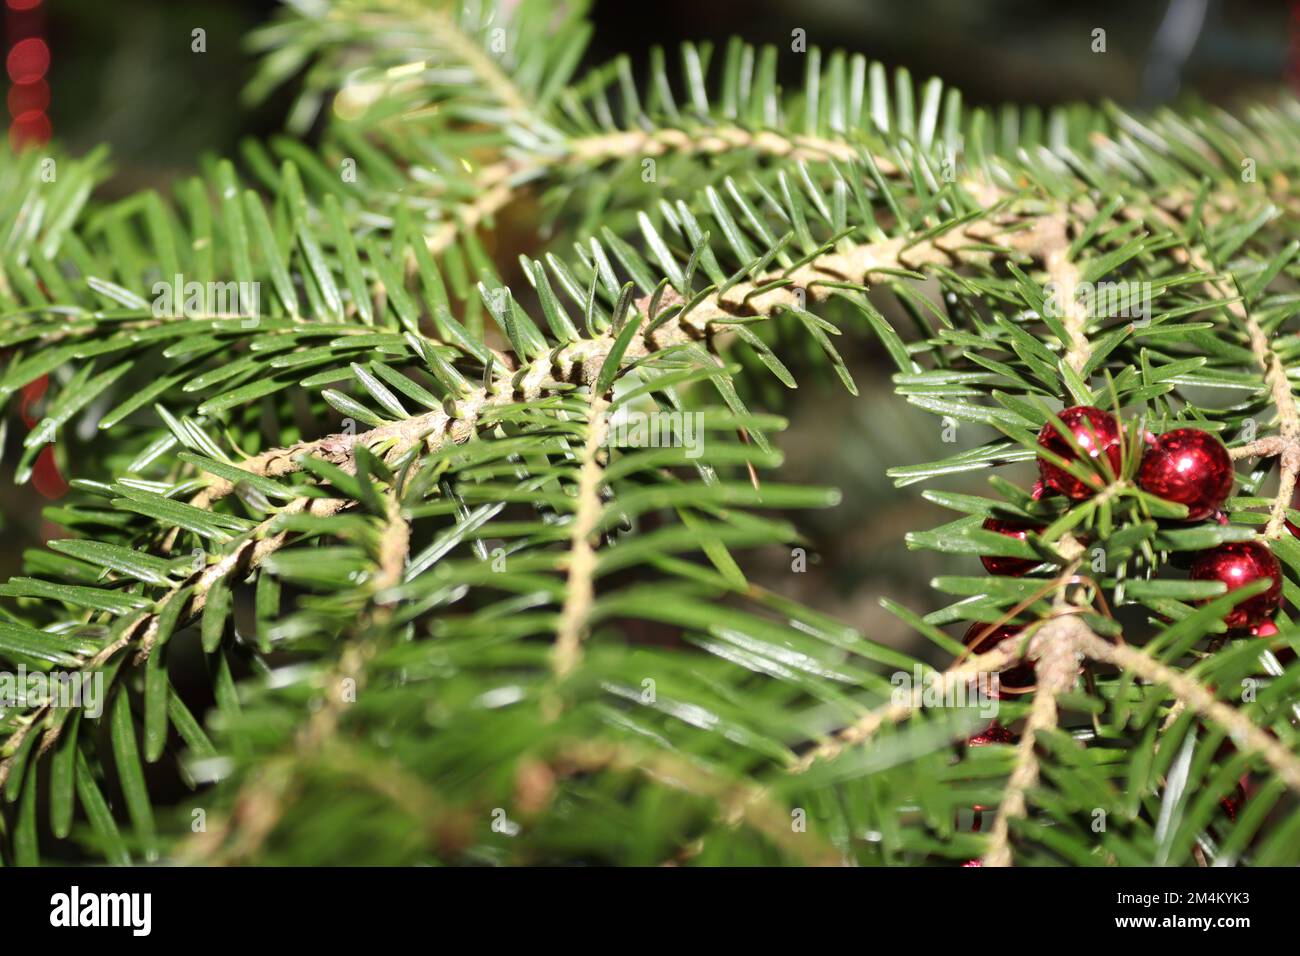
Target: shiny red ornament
(1233,802)
(1188,467)
(1041,491)
(1281,651)
(1239,563)
(1267,629)
(994,733)
(1095,432)
(1001,564)
(1232,805)
(1014,680)
(970,863)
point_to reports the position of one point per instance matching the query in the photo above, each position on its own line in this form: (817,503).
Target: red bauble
(1095,432)
(1014,680)
(1232,803)
(1281,651)
(970,863)
(1188,467)
(1267,629)
(1240,563)
(1001,564)
(994,733)
(1041,491)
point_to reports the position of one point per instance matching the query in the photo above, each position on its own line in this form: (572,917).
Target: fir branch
(441,29)
(845,198)
(264,798)
(580,582)
(260,544)
(862,730)
(1243,731)
(1287,449)
(579,362)
(500,183)
(1054,648)
(738,802)
(1064,277)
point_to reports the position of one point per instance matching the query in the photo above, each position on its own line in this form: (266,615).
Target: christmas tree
(384,546)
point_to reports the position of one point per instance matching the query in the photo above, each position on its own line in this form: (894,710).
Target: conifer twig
(738,802)
(261,802)
(1064,277)
(580,582)
(1245,733)
(252,552)
(447,33)
(998,658)
(1055,649)
(1287,448)
(580,361)
(499,183)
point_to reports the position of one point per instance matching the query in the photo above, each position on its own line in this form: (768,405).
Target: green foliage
(438,615)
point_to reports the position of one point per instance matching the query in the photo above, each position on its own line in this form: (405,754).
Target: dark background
(123,73)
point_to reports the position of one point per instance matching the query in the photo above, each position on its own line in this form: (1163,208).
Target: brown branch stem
(1245,733)
(580,584)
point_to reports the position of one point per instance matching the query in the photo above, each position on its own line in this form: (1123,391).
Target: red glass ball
(1095,432)
(970,863)
(1267,629)
(1001,564)
(1188,467)
(994,733)
(1018,679)
(1232,805)
(1233,802)
(1041,491)
(1239,563)
(1281,651)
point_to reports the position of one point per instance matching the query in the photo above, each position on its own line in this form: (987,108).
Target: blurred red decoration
(1267,629)
(46,478)
(994,733)
(28,60)
(29,395)
(26,97)
(30,129)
